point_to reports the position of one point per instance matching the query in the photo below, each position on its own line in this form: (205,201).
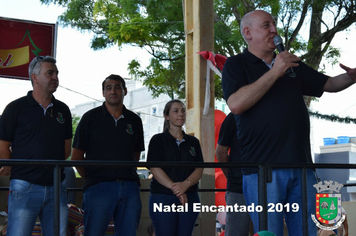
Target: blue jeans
(284,190)
(237,223)
(113,199)
(173,223)
(27,201)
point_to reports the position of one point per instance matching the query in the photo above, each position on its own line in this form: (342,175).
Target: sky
(82,69)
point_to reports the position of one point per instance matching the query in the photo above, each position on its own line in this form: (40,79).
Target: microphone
(278,42)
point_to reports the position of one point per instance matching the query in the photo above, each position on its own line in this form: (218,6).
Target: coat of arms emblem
(328,205)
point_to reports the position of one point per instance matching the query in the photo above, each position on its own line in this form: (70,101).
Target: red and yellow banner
(20,42)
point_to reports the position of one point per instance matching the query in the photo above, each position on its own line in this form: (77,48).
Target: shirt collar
(253,59)
(34,102)
(269,65)
(173,139)
(107,113)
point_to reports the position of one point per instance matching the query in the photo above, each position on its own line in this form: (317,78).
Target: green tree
(75,122)
(158,26)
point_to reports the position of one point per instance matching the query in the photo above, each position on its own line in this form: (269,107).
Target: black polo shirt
(35,135)
(164,148)
(102,138)
(276,129)
(228,138)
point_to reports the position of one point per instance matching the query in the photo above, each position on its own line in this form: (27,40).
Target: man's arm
(78,155)
(5,153)
(67,148)
(247,96)
(346,227)
(137,156)
(222,155)
(341,82)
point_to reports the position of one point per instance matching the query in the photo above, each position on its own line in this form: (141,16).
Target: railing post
(56,199)
(262,197)
(305,202)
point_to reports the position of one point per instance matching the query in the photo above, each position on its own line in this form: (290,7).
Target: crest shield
(328,207)
(129,129)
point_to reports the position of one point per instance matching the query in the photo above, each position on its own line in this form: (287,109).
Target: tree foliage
(75,122)
(308,28)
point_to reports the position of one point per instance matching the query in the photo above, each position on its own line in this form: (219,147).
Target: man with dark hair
(36,126)
(112,133)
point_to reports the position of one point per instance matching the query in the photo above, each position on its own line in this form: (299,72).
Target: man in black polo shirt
(272,119)
(237,223)
(113,133)
(34,127)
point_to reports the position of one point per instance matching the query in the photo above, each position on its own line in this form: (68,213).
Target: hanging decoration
(332,118)
(215,62)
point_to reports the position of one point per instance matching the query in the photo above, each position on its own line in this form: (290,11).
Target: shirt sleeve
(227,131)
(140,144)
(313,81)
(7,124)
(199,151)
(155,150)
(69,125)
(232,77)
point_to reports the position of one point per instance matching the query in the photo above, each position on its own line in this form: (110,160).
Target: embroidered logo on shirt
(60,118)
(129,129)
(192,151)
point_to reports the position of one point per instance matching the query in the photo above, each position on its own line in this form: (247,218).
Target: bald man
(272,119)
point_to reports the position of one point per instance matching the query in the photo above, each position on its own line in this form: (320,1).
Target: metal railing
(264,169)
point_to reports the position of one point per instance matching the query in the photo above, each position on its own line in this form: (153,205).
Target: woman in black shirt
(174,190)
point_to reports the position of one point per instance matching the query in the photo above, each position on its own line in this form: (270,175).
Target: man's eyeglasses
(39,58)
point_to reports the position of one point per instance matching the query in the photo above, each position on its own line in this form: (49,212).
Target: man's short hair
(35,65)
(114,77)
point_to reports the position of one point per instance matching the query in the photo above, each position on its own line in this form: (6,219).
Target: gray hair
(245,21)
(35,65)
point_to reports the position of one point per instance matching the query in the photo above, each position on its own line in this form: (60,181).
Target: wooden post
(199,36)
